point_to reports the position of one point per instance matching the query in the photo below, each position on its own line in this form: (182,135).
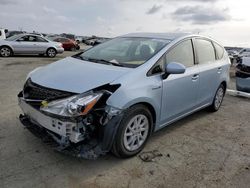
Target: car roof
(169,36)
(24,34)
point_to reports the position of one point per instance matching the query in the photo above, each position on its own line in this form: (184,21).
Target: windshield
(128,52)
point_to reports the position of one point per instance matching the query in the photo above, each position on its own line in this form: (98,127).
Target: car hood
(74,75)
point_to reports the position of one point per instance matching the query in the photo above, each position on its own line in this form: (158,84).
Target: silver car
(29,44)
(113,96)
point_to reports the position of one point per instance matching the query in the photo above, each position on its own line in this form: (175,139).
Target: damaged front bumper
(71,137)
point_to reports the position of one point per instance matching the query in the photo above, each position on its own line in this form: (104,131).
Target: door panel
(209,82)
(210,70)
(22,47)
(179,94)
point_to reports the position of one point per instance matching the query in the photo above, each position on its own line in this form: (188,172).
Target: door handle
(219,70)
(195,77)
(156,87)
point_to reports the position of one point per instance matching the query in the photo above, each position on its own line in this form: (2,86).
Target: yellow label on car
(44,103)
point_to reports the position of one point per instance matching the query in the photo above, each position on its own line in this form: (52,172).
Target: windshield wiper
(115,63)
(105,61)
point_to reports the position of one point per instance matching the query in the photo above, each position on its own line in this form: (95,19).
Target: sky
(227,21)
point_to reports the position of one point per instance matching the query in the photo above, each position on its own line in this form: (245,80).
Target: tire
(131,139)
(5,51)
(218,98)
(51,52)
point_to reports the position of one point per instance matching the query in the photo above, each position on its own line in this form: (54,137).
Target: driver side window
(182,53)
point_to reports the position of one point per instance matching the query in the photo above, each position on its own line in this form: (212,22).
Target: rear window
(205,51)
(219,50)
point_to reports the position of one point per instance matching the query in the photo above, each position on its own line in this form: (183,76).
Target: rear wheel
(51,52)
(5,51)
(133,132)
(218,98)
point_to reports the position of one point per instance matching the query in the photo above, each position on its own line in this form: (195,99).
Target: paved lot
(203,150)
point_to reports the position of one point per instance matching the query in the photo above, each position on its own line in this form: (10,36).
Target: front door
(24,45)
(179,94)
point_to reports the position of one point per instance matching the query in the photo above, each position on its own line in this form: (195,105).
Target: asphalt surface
(203,150)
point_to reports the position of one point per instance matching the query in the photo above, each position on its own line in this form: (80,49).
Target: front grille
(34,91)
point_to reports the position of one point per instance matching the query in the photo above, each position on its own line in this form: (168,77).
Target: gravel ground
(203,150)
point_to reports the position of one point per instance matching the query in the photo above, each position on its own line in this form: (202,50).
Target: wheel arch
(4,45)
(224,83)
(51,47)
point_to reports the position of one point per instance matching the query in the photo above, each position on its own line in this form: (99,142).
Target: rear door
(40,45)
(210,70)
(179,95)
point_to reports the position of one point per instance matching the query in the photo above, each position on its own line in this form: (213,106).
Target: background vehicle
(245,52)
(3,33)
(68,36)
(67,44)
(114,95)
(243,75)
(100,40)
(29,44)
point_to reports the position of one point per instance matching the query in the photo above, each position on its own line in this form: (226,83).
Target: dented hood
(76,75)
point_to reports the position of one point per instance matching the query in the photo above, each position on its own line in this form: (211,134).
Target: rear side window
(0,33)
(40,39)
(182,53)
(205,51)
(219,50)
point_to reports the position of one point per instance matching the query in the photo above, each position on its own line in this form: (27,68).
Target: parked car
(113,96)
(245,52)
(243,75)
(68,36)
(3,33)
(67,44)
(90,41)
(100,40)
(29,44)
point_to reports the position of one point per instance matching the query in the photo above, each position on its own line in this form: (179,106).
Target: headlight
(73,106)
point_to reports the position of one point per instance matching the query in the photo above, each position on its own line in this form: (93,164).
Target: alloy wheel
(219,97)
(5,52)
(136,132)
(51,53)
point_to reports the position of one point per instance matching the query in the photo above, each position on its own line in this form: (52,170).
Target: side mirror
(6,30)
(175,68)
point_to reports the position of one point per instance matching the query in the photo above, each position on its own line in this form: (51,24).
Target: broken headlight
(73,106)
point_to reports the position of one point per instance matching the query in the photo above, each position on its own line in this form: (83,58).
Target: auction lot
(203,150)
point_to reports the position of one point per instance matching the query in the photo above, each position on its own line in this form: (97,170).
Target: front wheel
(133,132)
(5,51)
(218,98)
(51,52)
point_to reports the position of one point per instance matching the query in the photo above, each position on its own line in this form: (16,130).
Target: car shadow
(179,123)
(156,135)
